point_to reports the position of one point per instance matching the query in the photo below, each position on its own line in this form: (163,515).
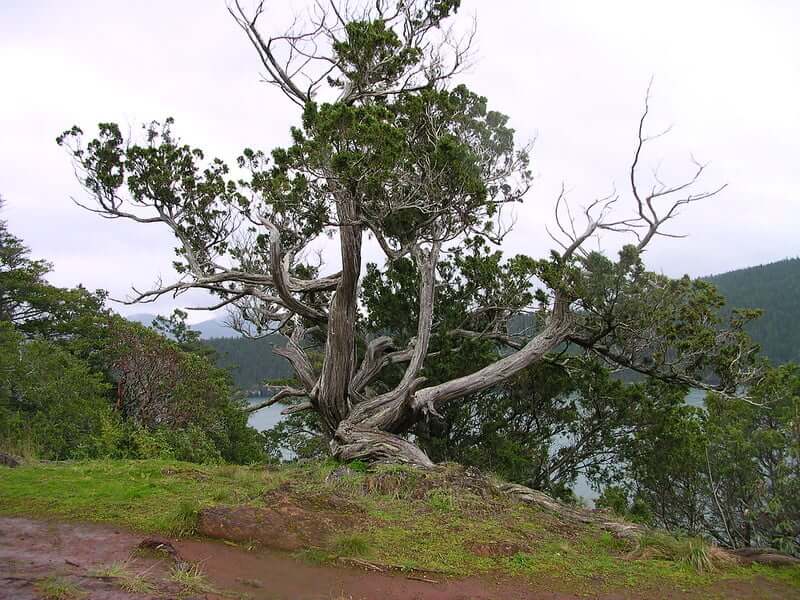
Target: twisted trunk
(332,400)
(370,432)
(352,442)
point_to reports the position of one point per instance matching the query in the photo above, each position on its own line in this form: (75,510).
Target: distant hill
(212,328)
(250,362)
(775,288)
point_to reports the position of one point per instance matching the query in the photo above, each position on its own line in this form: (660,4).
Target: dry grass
(693,552)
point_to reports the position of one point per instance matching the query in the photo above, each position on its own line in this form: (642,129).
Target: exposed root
(351,442)
(621,529)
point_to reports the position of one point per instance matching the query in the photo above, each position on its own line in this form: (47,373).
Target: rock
(7,460)
(285,526)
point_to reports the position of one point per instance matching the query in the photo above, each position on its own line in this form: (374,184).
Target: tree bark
(352,442)
(339,364)
(554,333)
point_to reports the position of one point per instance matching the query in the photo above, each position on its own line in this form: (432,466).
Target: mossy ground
(406,519)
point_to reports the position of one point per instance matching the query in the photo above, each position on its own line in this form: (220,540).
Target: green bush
(50,401)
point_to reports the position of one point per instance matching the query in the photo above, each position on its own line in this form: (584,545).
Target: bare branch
(283,393)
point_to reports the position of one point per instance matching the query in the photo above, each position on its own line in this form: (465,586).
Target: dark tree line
(774,288)
(251,362)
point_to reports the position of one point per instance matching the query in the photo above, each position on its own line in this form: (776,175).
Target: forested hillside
(251,362)
(775,288)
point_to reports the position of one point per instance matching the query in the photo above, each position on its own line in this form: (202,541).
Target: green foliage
(78,382)
(565,417)
(49,399)
(181,405)
(674,329)
(754,453)
(548,425)
(615,499)
(728,472)
(300,434)
(72,318)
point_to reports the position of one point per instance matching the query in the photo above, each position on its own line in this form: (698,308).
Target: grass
(125,578)
(693,552)
(395,516)
(56,588)
(151,496)
(192,580)
(352,545)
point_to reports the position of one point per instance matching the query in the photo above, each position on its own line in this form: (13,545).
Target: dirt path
(35,554)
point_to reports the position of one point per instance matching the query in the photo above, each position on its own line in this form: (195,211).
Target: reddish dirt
(32,550)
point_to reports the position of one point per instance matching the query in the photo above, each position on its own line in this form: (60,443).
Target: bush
(50,401)
(186,411)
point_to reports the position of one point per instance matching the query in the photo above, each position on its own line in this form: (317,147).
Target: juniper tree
(389,148)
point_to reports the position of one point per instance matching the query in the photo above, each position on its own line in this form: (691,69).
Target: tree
(51,403)
(728,472)
(752,464)
(32,305)
(548,425)
(161,386)
(389,149)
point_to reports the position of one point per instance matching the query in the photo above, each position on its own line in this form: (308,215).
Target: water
(267,417)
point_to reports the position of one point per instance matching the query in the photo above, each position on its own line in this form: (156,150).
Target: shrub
(50,401)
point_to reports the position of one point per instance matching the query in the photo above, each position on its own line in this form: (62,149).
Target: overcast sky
(571,74)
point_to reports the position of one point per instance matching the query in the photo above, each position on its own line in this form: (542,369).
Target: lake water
(266,417)
(270,416)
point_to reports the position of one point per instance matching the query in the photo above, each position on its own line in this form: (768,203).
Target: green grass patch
(352,545)
(192,580)
(56,588)
(150,495)
(125,577)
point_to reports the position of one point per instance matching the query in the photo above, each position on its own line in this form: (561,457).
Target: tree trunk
(371,431)
(338,367)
